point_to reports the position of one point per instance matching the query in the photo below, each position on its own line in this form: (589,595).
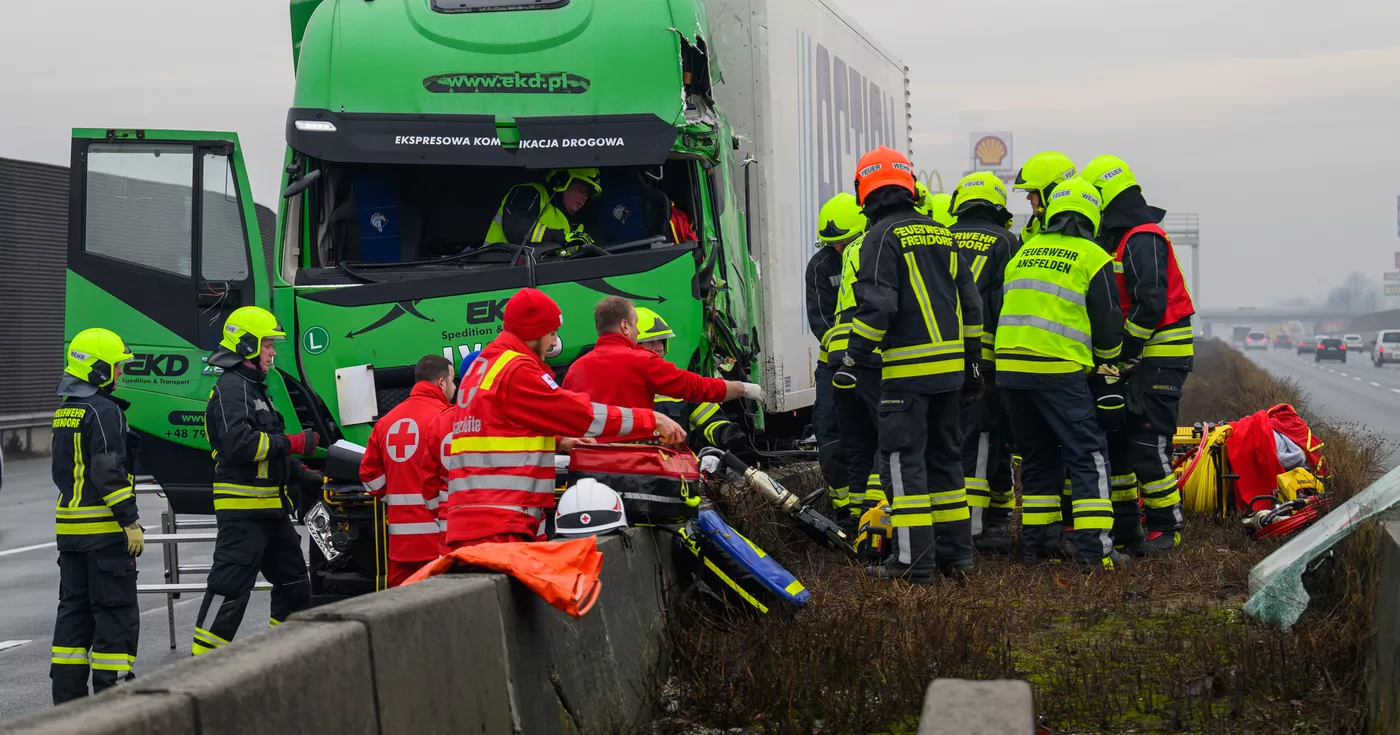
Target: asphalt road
(1352,391)
(29,585)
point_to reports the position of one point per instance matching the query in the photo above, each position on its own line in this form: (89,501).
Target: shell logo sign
(990,151)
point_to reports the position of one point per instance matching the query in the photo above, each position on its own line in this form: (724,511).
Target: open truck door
(163,244)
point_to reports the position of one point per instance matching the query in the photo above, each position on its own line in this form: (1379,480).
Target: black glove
(845,376)
(312,480)
(729,436)
(1109,402)
(972,382)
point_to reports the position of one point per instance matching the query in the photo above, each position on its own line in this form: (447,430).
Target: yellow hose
(1200,491)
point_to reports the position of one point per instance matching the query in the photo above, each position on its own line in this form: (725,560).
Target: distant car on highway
(1282,340)
(1330,348)
(1386,348)
(1354,341)
(1308,344)
(1256,341)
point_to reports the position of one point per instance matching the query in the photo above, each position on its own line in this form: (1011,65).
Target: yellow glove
(135,540)
(1107,370)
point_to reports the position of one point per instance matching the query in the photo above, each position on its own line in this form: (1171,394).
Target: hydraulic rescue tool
(817,526)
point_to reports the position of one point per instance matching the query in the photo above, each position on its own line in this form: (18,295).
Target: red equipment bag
(658,485)
(1253,456)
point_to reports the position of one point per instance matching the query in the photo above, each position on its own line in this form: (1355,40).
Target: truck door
(161,221)
(162,245)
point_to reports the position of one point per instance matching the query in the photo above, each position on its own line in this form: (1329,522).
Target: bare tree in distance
(1357,295)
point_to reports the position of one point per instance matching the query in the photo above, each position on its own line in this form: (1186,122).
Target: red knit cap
(531,314)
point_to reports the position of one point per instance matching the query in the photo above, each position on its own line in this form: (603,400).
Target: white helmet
(589,508)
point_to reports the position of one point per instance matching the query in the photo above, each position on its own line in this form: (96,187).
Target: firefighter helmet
(1043,171)
(1110,175)
(94,354)
(651,327)
(883,167)
(840,219)
(560,178)
(246,328)
(979,186)
(1078,196)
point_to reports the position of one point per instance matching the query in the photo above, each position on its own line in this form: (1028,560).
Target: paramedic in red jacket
(619,372)
(507,423)
(391,472)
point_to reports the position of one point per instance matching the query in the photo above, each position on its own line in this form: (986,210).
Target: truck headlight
(322,530)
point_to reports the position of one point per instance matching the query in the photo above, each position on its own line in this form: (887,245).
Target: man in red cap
(496,446)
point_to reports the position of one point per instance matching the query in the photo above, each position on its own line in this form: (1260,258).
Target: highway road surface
(29,589)
(1352,391)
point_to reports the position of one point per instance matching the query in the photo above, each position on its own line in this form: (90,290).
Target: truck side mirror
(299,185)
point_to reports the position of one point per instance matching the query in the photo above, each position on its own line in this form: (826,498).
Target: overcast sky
(1278,122)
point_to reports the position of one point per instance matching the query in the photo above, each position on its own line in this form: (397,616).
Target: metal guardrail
(196,532)
(10,422)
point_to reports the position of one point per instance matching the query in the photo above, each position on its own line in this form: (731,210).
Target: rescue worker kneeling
(498,454)
(916,299)
(1059,319)
(257,481)
(99,536)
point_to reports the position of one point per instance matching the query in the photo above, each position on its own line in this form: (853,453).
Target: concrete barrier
(960,707)
(472,653)
(1383,686)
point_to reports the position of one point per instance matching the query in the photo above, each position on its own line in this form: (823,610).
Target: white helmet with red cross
(589,508)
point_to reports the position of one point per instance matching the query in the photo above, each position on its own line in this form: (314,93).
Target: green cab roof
(403,57)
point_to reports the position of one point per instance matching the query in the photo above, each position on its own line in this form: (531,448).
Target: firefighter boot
(1111,562)
(1157,542)
(913,557)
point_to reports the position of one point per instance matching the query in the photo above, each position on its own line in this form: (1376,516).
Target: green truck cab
(411,120)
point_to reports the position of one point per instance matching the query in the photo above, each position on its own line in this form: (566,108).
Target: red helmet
(883,167)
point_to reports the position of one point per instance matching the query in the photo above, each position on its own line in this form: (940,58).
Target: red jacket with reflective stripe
(391,471)
(620,373)
(1179,304)
(499,454)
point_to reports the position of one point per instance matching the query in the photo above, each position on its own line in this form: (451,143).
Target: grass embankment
(1162,648)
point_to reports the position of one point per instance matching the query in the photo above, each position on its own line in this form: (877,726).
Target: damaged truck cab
(410,123)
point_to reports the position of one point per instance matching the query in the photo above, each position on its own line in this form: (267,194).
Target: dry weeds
(1160,648)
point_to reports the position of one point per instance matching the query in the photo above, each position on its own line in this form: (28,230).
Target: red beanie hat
(531,314)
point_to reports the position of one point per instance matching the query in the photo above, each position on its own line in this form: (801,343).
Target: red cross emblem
(585,519)
(402,440)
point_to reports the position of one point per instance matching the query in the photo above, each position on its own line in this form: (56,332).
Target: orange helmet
(883,167)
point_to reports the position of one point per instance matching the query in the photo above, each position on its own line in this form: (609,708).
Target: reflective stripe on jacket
(1157,306)
(92,464)
(398,437)
(527,215)
(1049,323)
(498,457)
(915,298)
(252,456)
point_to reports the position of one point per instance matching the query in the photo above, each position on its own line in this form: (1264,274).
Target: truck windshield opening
(423,219)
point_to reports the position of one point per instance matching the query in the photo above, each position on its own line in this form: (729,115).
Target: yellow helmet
(560,178)
(1043,171)
(93,355)
(840,219)
(246,328)
(939,209)
(1110,175)
(1075,195)
(979,186)
(651,327)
